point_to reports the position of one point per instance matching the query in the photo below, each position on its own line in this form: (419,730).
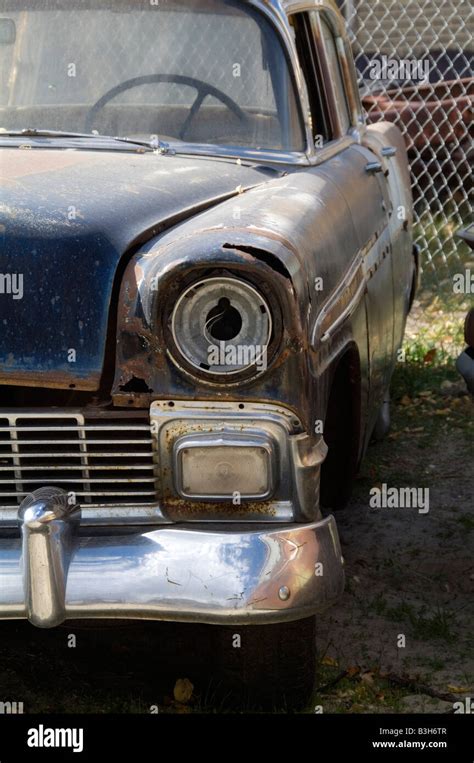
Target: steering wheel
(203,90)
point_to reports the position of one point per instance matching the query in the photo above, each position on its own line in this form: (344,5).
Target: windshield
(204,72)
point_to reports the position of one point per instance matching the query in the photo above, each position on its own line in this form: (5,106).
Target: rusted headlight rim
(251,372)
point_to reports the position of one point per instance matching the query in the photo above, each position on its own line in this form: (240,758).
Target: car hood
(67,220)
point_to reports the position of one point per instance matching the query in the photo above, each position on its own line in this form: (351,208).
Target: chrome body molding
(341,304)
(347,295)
(182,573)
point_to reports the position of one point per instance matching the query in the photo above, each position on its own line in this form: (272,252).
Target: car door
(361,179)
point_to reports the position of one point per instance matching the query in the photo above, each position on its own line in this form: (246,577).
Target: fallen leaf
(405,400)
(353,670)
(458,689)
(182,708)
(430,355)
(330,661)
(183,690)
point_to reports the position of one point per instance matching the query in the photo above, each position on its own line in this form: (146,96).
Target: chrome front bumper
(219,574)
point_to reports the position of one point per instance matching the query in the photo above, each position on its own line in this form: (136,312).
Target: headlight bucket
(221,327)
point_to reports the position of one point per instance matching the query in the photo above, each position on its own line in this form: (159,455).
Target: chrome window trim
(295,158)
(277,14)
(336,22)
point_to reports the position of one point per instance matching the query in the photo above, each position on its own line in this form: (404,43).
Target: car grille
(103,459)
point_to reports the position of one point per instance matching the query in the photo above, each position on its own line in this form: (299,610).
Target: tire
(339,467)
(274,668)
(469,328)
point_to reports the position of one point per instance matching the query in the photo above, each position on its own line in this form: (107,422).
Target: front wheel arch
(342,433)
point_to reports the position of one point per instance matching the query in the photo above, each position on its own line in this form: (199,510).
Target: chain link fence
(415,62)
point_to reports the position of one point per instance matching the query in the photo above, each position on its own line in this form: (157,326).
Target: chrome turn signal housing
(224,467)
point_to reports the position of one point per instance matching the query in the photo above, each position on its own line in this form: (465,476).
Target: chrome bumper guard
(219,574)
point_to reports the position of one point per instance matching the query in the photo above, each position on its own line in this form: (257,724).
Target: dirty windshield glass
(211,72)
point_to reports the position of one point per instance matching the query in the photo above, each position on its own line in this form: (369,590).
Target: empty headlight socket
(182,286)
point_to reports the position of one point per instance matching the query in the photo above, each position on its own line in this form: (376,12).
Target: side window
(332,58)
(308,60)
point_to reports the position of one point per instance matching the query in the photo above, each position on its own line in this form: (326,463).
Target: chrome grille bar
(4,456)
(75,429)
(106,458)
(75,468)
(78,493)
(75,442)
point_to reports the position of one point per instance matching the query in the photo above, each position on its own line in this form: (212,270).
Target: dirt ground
(401,637)
(408,574)
(411,574)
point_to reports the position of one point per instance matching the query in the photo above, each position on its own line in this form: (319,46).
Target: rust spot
(135,385)
(181,509)
(53,380)
(260,254)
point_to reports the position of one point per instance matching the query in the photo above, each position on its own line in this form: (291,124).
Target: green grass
(442,253)
(431,350)
(424,626)
(357,693)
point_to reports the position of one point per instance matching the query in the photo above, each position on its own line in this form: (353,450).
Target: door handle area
(372,167)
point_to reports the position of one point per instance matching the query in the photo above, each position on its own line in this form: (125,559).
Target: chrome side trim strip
(346,296)
(341,304)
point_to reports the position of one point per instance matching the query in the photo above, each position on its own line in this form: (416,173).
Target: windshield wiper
(32,132)
(155,145)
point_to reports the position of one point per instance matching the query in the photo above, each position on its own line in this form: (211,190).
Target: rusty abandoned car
(206,268)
